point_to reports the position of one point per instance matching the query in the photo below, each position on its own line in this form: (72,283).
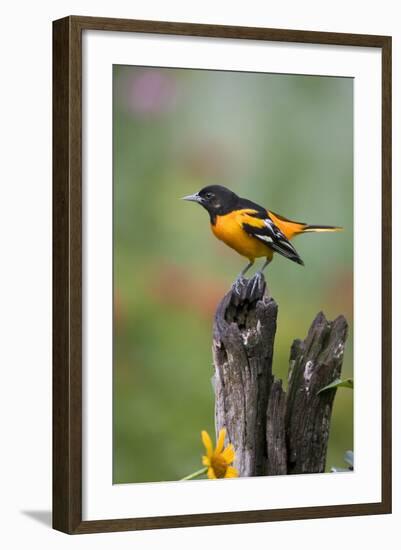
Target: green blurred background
(285,141)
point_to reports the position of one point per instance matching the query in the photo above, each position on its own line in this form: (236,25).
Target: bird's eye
(209,195)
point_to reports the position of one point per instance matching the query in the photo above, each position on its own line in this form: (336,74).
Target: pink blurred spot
(149,92)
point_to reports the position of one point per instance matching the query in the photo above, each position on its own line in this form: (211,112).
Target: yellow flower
(218,460)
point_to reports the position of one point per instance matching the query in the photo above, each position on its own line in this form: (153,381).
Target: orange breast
(229,229)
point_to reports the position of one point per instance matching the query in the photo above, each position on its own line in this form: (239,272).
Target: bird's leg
(237,282)
(246,268)
(267,261)
(259,275)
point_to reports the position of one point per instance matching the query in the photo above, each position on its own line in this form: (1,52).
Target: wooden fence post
(273,432)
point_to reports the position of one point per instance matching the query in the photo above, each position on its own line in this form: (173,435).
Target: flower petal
(207,443)
(211,474)
(228,454)
(231,472)
(206,460)
(220,441)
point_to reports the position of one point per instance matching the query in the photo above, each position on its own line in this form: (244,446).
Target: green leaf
(338,383)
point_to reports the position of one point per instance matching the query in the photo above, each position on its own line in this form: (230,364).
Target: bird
(250,229)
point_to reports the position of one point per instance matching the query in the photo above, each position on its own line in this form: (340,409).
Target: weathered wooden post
(244,330)
(273,432)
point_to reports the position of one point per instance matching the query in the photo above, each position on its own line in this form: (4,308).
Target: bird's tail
(320,228)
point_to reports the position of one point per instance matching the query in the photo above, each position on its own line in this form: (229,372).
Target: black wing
(271,235)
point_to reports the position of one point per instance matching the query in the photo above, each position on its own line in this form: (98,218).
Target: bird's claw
(258,285)
(239,284)
(250,290)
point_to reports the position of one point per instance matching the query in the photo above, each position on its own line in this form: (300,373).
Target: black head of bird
(216,199)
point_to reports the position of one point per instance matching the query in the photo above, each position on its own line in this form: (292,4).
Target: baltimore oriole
(250,229)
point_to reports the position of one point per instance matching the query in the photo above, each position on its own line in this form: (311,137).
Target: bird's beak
(195,198)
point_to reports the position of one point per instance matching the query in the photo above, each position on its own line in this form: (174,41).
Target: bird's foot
(258,285)
(239,285)
(249,290)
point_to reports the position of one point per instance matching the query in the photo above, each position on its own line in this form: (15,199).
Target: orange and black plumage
(250,229)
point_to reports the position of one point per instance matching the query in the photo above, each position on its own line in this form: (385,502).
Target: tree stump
(273,432)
